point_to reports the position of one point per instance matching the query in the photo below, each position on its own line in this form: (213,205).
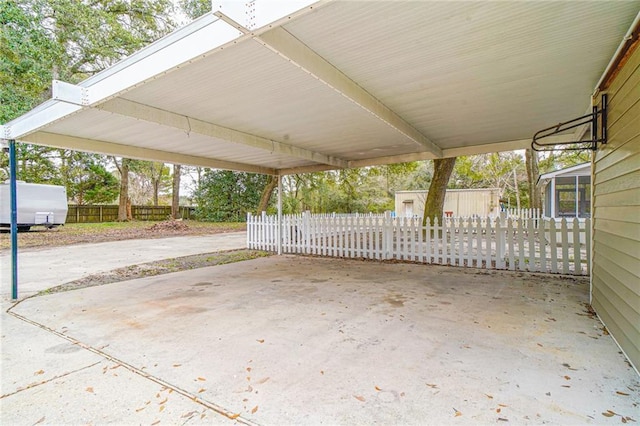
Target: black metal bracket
(598,133)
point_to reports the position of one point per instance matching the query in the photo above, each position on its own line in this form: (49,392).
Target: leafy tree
(69,40)
(503,170)
(195,8)
(226,196)
(86,178)
(97,186)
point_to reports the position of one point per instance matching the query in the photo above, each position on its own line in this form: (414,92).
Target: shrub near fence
(109,213)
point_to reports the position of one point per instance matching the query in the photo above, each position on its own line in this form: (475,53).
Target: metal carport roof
(334,84)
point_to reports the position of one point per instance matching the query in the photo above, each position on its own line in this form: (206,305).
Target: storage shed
(457,202)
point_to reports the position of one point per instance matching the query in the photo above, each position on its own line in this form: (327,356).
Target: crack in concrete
(33,385)
(210,405)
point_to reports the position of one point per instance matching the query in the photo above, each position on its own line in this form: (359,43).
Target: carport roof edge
(111,97)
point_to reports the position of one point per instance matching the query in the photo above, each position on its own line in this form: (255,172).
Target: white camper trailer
(42,205)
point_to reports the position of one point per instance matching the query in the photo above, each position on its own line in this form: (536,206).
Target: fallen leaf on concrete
(502,405)
(155,423)
(233,416)
(261,381)
(322,372)
(566,386)
(177,365)
(248,378)
(201,390)
(378,389)
(254,409)
(202,416)
(359,398)
(540,344)
(458,413)
(249,369)
(202,379)
(39,421)
(501,419)
(567,378)
(161,408)
(622,393)
(402,393)
(37,373)
(89,389)
(489,396)
(608,413)
(140,409)
(432,386)
(189,414)
(163,401)
(260,340)
(498,410)
(116,366)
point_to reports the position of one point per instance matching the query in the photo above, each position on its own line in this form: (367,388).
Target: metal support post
(14,219)
(279,214)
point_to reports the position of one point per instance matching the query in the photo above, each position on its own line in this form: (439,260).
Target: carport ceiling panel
(107,127)
(509,69)
(249,88)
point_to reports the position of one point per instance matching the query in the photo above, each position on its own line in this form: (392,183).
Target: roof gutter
(630,38)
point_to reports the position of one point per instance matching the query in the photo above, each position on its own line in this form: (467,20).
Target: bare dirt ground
(80,233)
(160,267)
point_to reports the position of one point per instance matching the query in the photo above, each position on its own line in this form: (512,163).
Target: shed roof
(336,84)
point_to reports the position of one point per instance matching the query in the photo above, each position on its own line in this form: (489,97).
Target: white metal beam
(188,124)
(110,148)
(44,114)
(70,93)
(202,37)
(421,156)
(289,47)
(259,13)
(500,146)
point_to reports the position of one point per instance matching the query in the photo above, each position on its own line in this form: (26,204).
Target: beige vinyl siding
(616,213)
(462,202)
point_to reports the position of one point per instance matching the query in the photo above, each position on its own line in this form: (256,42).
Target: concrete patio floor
(298,340)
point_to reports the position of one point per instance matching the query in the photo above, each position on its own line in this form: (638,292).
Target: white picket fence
(542,245)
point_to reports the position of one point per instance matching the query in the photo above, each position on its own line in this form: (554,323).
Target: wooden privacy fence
(544,245)
(109,213)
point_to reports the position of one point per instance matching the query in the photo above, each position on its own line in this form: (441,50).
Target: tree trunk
(123,168)
(433,207)
(515,187)
(533,172)
(175,197)
(156,188)
(272,182)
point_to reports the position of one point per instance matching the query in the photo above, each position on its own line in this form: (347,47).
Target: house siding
(616,213)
